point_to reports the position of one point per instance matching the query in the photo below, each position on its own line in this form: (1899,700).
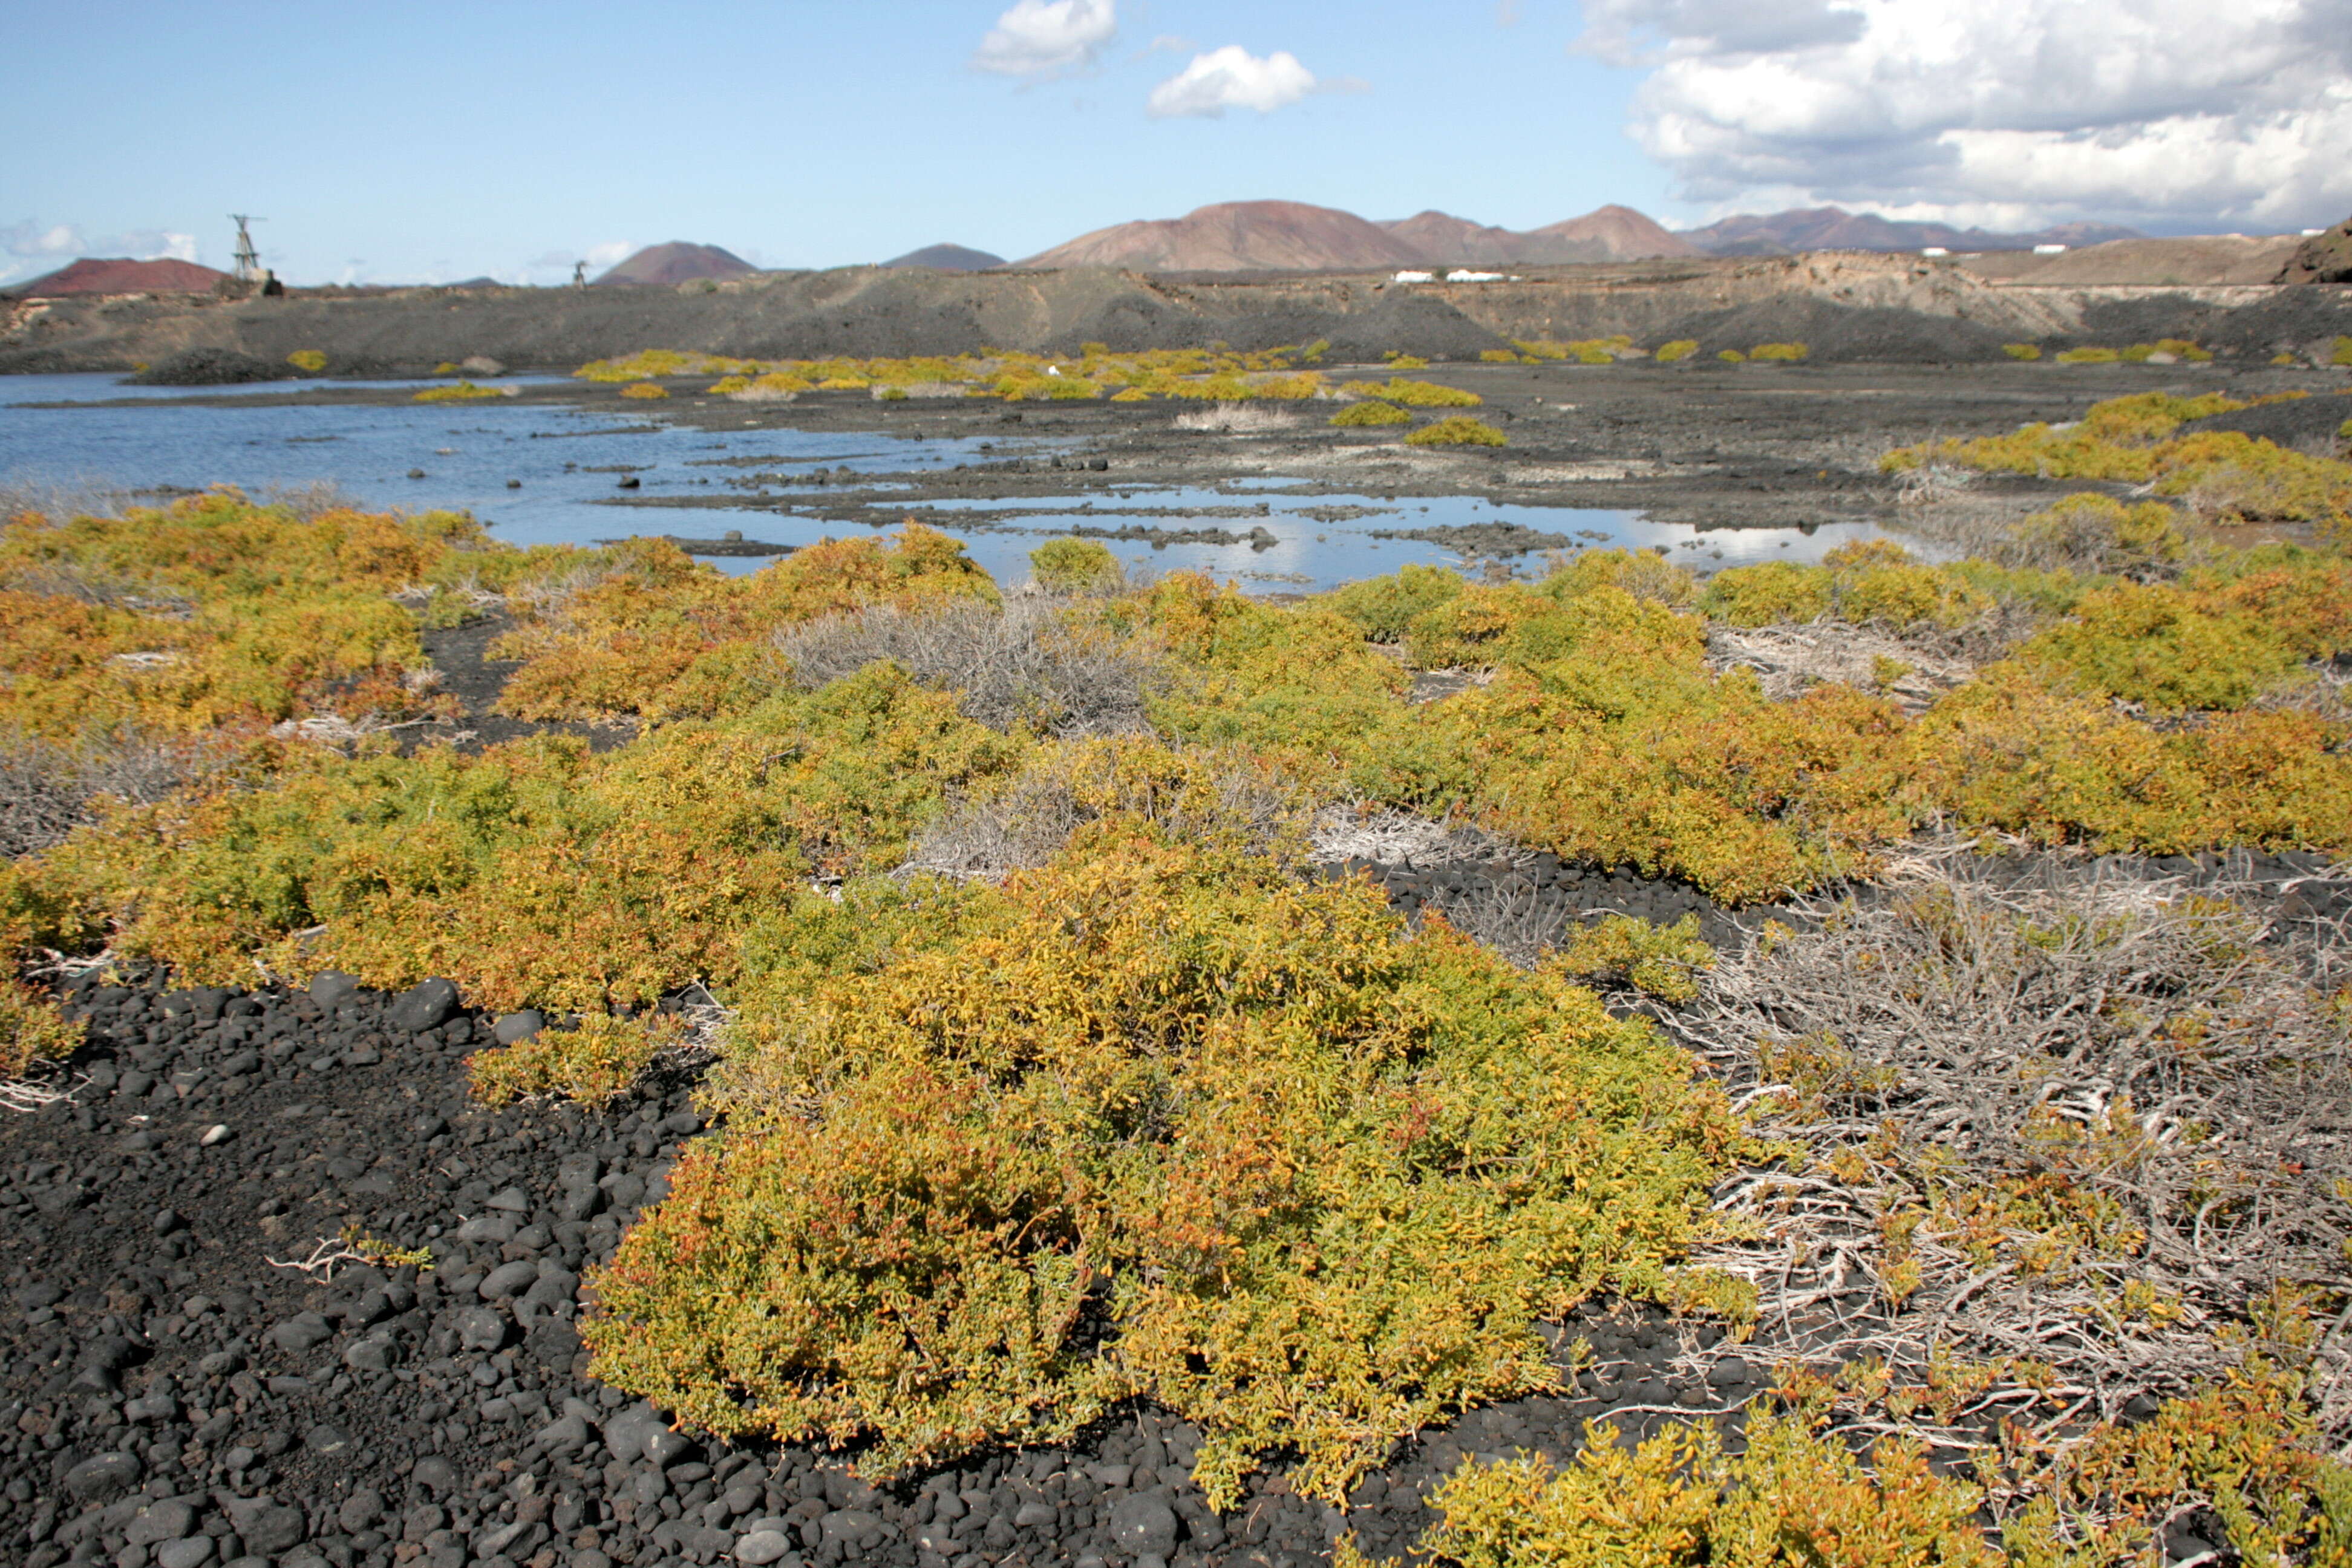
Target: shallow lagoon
(566,459)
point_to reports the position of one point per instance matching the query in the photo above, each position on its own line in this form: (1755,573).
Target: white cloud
(2171,112)
(34,248)
(1231,78)
(1038,39)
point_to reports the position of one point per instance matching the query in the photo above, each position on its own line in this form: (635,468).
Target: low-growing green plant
(2341,352)
(2088,354)
(311,359)
(1791,1496)
(592,1063)
(1076,566)
(1662,960)
(1456,430)
(1731,356)
(1414,393)
(1784,352)
(2022,351)
(31,1030)
(1385,607)
(1369,414)
(460,392)
(644,389)
(1679,349)
(1171,1099)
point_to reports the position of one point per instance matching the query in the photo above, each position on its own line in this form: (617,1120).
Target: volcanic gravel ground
(174,1393)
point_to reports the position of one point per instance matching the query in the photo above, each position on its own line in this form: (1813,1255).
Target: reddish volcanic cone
(1238,236)
(678,262)
(120,275)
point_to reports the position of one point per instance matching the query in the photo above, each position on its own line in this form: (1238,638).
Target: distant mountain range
(1834,228)
(1285,235)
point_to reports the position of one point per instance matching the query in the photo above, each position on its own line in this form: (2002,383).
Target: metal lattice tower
(248,260)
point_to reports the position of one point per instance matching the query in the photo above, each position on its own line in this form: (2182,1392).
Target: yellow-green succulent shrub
(1414,393)
(1074,565)
(1385,606)
(1456,430)
(31,1031)
(1311,1180)
(655,634)
(1369,414)
(2223,474)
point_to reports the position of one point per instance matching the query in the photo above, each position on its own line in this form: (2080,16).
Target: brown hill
(1443,240)
(678,262)
(1238,236)
(1610,234)
(120,275)
(2199,259)
(945,258)
(1618,234)
(2322,258)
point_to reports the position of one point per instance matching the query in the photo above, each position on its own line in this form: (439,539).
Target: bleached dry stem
(2108,1112)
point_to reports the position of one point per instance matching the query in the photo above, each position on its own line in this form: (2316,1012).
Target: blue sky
(433,140)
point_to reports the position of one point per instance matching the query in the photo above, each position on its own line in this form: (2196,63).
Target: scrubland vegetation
(1051,1082)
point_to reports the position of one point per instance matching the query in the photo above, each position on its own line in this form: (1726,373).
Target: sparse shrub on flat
(1414,393)
(594,1063)
(31,1030)
(1793,1495)
(2223,475)
(1731,356)
(643,389)
(1784,352)
(1660,960)
(462,392)
(1456,430)
(2022,351)
(1385,607)
(1678,350)
(1076,567)
(1643,573)
(2088,355)
(311,359)
(1165,1094)
(1369,414)
(2341,352)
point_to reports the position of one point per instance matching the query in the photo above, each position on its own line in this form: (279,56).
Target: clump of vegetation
(1369,414)
(1076,566)
(1161,1092)
(1731,356)
(2022,351)
(1584,351)
(309,360)
(2170,348)
(1414,393)
(2088,354)
(1660,960)
(31,1031)
(2341,351)
(1786,353)
(594,1062)
(644,389)
(2223,474)
(1678,350)
(1456,430)
(1680,1501)
(460,392)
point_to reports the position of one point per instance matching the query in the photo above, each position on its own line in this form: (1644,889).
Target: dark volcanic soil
(1707,445)
(190,1377)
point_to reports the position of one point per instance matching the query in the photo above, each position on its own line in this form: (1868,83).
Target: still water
(566,462)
